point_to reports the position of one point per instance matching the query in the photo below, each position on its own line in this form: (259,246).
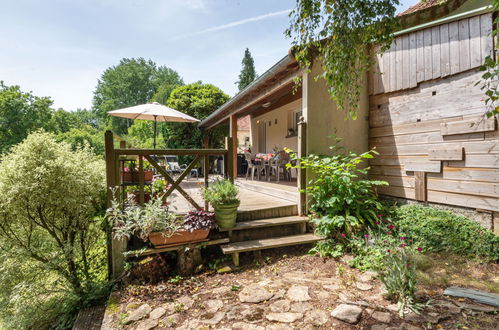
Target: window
(296,119)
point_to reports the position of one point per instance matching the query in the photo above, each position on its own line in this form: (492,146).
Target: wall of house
(434,141)
(324,119)
(277,123)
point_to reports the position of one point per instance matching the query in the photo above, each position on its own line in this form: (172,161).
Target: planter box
(180,237)
(133,177)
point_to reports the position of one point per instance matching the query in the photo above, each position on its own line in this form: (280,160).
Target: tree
(248,73)
(131,82)
(21,113)
(197,100)
(339,34)
(48,230)
(490,82)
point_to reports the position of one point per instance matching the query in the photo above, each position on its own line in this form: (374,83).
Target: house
(419,107)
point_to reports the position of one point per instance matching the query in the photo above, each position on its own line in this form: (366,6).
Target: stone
(363,286)
(157,313)
(298,277)
(223,270)
(393,308)
(279,326)
(246,326)
(237,312)
(254,314)
(254,294)
(278,295)
(347,258)
(413,317)
(367,276)
(138,314)
(212,318)
(331,287)
(478,308)
(301,307)
(280,306)
(378,327)
(286,317)
(347,313)
(382,317)
(316,318)
(185,301)
(408,326)
(213,305)
(298,293)
(147,324)
(323,295)
(170,321)
(222,292)
(169,307)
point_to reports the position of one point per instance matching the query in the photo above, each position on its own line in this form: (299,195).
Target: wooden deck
(269,195)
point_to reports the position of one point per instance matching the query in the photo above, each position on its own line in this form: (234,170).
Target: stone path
(306,293)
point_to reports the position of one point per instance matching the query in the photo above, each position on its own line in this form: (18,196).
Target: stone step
(270,222)
(266,213)
(261,244)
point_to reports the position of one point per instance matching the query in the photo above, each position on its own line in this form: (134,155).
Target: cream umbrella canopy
(153,111)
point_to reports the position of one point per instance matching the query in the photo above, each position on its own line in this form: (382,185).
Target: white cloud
(233,24)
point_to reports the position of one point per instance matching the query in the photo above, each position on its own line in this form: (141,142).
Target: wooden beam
(233,135)
(177,152)
(423,166)
(206,167)
(302,173)
(141,180)
(420,186)
(446,153)
(472,125)
(110,164)
(229,161)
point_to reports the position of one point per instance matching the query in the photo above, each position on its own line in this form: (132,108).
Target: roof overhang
(272,86)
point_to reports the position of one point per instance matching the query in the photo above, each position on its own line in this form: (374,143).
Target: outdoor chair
(277,162)
(253,166)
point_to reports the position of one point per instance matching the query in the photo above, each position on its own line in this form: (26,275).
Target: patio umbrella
(153,111)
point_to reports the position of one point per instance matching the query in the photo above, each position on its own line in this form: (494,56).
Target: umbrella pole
(155,132)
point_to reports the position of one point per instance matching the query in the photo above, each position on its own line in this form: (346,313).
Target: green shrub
(53,251)
(221,192)
(342,199)
(437,230)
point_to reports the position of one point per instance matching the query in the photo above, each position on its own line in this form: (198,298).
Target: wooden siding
(432,53)
(434,142)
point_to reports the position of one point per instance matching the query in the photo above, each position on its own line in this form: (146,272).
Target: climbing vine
(338,33)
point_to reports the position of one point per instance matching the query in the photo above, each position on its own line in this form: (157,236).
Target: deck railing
(114,177)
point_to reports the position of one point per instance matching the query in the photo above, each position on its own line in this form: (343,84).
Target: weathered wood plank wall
(426,117)
(432,53)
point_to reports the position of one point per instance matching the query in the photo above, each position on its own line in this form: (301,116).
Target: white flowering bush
(49,232)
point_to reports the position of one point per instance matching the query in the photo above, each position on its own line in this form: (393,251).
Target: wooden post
(302,173)
(420,185)
(141,180)
(206,167)
(110,164)
(233,135)
(230,160)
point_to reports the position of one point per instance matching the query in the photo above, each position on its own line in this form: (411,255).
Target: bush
(436,230)
(53,255)
(343,200)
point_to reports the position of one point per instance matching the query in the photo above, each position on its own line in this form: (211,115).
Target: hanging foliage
(338,32)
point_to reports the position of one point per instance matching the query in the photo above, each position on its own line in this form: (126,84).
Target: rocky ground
(285,289)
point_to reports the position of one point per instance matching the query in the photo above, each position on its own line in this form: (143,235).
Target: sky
(60,48)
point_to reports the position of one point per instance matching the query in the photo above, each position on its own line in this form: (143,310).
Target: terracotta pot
(134,176)
(180,237)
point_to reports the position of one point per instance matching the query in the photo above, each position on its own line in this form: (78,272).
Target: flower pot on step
(160,240)
(225,215)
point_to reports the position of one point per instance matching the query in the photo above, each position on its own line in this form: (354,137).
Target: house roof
(421,5)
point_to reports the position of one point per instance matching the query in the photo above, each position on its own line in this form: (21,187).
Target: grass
(440,270)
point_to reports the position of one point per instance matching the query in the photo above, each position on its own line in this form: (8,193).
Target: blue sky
(59,48)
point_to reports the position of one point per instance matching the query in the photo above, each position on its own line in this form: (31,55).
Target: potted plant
(130,173)
(223,196)
(154,222)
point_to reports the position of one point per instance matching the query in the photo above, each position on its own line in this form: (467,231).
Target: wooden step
(268,243)
(266,213)
(271,222)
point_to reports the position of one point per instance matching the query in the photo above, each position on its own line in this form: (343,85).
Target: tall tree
(21,113)
(339,33)
(248,73)
(197,100)
(131,82)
